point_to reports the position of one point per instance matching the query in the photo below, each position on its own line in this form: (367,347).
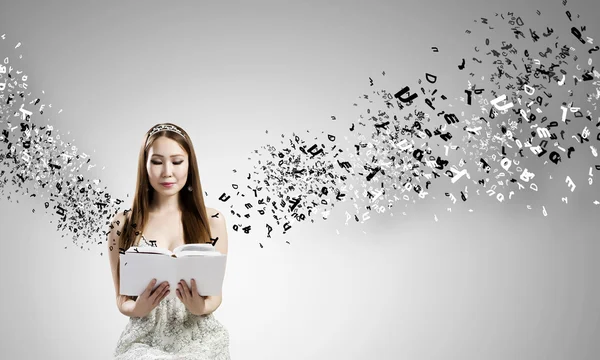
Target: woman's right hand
(149,299)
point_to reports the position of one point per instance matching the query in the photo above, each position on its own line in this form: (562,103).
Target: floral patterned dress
(170,331)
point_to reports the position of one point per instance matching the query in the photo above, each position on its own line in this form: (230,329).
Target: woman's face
(167,163)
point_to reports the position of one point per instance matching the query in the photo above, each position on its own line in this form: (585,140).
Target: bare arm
(218,228)
(125,304)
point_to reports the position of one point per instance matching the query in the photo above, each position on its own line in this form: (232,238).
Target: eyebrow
(163,156)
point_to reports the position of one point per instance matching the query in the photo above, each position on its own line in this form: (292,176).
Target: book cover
(202,262)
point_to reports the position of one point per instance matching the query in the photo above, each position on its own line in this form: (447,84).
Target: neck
(165,204)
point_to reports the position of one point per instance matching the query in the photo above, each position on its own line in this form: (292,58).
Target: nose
(167,169)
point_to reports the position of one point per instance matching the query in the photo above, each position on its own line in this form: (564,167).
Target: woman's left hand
(193,301)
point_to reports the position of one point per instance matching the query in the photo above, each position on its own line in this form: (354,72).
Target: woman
(168,211)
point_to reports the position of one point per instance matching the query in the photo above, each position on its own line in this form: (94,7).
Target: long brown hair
(194,218)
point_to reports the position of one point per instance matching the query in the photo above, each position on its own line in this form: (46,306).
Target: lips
(165,183)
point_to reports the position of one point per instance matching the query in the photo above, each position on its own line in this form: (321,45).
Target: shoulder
(118,221)
(218,228)
(216,218)
(116,226)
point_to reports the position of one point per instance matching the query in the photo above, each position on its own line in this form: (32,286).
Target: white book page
(137,270)
(148,250)
(193,247)
(198,253)
(208,271)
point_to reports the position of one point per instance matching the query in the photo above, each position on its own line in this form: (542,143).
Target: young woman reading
(168,207)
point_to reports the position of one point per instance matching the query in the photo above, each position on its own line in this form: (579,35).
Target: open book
(201,262)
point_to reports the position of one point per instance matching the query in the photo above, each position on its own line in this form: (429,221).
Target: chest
(162,231)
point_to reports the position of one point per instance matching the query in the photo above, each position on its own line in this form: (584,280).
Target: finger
(181,297)
(163,295)
(159,294)
(148,288)
(185,286)
(183,289)
(188,289)
(180,291)
(159,291)
(194,288)
(151,284)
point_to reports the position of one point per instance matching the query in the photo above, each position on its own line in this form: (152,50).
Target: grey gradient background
(502,282)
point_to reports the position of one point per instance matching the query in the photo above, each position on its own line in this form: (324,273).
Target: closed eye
(159,163)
